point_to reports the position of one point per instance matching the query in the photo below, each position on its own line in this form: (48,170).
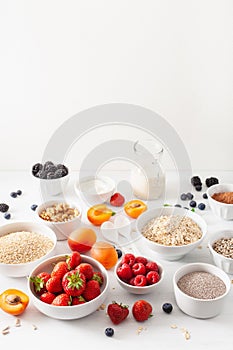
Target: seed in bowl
(172,230)
(60,212)
(224,246)
(202,285)
(23,247)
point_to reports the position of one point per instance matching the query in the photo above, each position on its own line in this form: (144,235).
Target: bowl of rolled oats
(171,232)
(62,217)
(221,249)
(23,245)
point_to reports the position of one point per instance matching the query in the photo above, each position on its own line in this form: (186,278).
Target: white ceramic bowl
(140,290)
(222,210)
(169,252)
(74,311)
(61,229)
(226,264)
(22,270)
(200,308)
(92,194)
(52,187)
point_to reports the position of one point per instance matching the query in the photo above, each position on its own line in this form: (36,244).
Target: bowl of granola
(171,232)
(62,217)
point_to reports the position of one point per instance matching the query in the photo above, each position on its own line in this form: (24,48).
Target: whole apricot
(105,253)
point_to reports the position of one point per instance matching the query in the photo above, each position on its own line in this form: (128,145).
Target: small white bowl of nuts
(221,248)
(62,217)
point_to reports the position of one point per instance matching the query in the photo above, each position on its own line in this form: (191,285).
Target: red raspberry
(141,259)
(138,269)
(152,277)
(124,272)
(140,281)
(131,281)
(128,259)
(152,266)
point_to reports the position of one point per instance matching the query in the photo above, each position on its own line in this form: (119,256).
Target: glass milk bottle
(147,176)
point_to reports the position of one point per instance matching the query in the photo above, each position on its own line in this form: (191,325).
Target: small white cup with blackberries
(53,177)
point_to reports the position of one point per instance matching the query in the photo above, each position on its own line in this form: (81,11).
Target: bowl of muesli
(171,232)
(221,249)
(23,245)
(62,217)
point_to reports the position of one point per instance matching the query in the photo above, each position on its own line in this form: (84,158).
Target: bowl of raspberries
(53,177)
(68,286)
(138,274)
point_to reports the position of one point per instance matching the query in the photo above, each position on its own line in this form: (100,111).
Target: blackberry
(43,174)
(201,206)
(183,196)
(167,307)
(205,196)
(195,180)
(59,173)
(211,181)
(47,165)
(7,216)
(36,167)
(51,168)
(198,188)
(4,208)
(51,175)
(193,204)
(109,332)
(189,196)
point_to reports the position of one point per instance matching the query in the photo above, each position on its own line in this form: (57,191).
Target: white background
(61,57)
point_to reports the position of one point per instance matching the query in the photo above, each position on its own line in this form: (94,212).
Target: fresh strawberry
(54,285)
(141,259)
(142,310)
(39,282)
(140,281)
(128,258)
(60,269)
(152,277)
(98,276)
(138,269)
(86,269)
(47,297)
(74,283)
(117,200)
(78,300)
(117,312)
(73,260)
(152,266)
(62,300)
(124,272)
(92,290)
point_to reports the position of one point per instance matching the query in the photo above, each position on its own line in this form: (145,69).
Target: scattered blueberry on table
(201,206)
(7,216)
(193,204)
(13,194)
(34,206)
(109,332)
(205,196)
(119,253)
(167,307)
(19,192)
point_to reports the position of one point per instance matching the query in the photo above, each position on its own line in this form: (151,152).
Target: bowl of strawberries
(68,286)
(138,274)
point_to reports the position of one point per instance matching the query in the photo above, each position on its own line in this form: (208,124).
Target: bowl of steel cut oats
(23,245)
(221,249)
(171,232)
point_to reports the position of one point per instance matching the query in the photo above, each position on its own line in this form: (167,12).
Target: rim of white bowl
(214,200)
(106,179)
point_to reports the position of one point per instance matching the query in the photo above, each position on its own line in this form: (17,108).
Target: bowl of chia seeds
(201,289)
(221,249)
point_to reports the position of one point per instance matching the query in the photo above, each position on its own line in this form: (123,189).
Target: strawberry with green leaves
(54,285)
(92,290)
(74,283)
(117,312)
(73,260)
(78,300)
(60,269)
(98,276)
(62,300)
(39,282)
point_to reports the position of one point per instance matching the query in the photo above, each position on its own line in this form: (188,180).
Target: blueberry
(193,204)
(178,205)
(34,206)
(7,216)
(13,194)
(183,197)
(119,253)
(189,196)
(205,195)
(109,332)
(19,192)
(167,307)
(198,188)
(201,206)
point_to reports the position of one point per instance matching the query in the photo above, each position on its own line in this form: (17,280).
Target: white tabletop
(157,331)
